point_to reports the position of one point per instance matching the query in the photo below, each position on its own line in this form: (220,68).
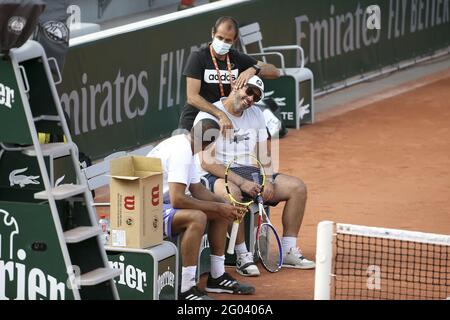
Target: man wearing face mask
(212,71)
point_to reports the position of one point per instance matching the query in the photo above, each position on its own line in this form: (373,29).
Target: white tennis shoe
(245,265)
(295,259)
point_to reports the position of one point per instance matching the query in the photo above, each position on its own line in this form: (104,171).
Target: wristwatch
(257,68)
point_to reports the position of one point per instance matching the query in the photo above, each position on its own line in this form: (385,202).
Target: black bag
(53,33)
(18,19)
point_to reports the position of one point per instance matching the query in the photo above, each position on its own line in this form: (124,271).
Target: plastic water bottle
(104,224)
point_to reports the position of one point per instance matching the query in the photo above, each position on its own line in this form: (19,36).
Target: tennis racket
(267,244)
(245,166)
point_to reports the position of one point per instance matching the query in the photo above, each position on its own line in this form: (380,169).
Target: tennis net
(359,262)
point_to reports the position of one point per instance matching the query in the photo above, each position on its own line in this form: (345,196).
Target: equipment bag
(18,19)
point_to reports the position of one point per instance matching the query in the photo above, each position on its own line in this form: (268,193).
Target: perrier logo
(17,280)
(167,278)
(6,96)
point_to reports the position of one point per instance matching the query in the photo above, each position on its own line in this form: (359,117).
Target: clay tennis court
(382,161)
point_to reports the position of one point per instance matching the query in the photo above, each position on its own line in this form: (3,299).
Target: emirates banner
(126,90)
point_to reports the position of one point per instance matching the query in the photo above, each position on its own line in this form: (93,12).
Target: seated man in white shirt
(189,214)
(249,136)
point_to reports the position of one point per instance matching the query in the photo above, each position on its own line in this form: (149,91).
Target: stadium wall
(124,87)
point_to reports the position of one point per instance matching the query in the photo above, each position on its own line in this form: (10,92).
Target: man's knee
(300,188)
(234,189)
(197,218)
(297,188)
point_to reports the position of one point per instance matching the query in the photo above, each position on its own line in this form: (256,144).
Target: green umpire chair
(53,238)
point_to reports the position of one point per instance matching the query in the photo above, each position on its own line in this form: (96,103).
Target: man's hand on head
(244,77)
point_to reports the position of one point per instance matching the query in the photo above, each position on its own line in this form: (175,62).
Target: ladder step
(99,275)
(47,118)
(81,233)
(61,192)
(58,149)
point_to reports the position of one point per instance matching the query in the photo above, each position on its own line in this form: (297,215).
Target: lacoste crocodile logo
(22,180)
(302,110)
(240,137)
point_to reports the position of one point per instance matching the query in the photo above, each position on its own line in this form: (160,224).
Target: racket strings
(269,247)
(248,172)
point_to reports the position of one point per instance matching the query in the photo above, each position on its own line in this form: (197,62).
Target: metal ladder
(79,242)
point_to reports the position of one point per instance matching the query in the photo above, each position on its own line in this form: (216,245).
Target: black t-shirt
(200,66)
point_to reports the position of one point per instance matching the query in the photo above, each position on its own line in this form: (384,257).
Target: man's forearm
(186,202)
(269,71)
(269,173)
(200,103)
(205,195)
(264,156)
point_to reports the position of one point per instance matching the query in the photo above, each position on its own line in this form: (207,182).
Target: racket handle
(255,177)
(233,235)
(260,199)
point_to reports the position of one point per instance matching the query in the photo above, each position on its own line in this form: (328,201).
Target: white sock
(288,242)
(188,277)
(217,266)
(240,248)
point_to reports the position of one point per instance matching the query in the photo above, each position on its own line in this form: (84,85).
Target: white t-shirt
(177,162)
(249,129)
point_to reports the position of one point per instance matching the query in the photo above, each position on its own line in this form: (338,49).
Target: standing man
(248,121)
(211,72)
(188,214)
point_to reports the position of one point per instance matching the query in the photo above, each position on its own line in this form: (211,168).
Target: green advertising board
(135,282)
(20,175)
(147,274)
(13,122)
(127,89)
(166,281)
(31,262)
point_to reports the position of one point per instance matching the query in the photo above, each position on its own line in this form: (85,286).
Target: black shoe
(194,293)
(227,284)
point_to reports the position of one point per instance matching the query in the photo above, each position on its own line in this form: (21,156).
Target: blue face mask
(220,47)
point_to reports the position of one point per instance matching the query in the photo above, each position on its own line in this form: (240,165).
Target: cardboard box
(136,202)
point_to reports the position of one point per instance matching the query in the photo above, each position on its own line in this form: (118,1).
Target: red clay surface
(386,164)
